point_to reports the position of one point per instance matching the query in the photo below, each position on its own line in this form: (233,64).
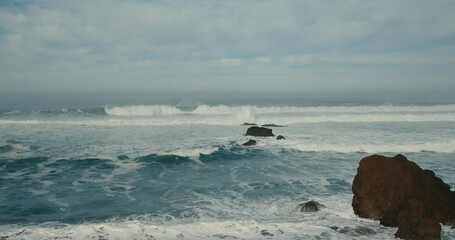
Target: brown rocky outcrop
(399,193)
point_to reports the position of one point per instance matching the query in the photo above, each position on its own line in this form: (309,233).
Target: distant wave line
(240,119)
(157,110)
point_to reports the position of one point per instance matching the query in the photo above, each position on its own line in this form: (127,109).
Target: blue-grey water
(176,168)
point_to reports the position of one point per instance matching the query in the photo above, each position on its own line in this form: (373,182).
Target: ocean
(175,168)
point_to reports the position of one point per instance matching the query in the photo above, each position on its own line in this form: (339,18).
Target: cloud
(146,42)
(264,59)
(396,59)
(231,61)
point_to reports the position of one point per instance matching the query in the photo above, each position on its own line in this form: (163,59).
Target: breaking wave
(156,110)
(143,110)
(167,115)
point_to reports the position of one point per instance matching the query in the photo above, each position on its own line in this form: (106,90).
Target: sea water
(178,170)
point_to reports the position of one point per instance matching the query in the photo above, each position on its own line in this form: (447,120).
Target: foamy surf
(343,147)
(201,230)
(166,172)
(156,110)
(222,115)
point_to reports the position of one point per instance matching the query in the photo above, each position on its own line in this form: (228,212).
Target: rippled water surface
(167,172)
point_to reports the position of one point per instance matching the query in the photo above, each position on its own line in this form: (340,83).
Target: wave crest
(143,110)
(167,115)
(157,110)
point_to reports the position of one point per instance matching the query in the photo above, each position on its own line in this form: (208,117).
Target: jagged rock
(311,206)
(259,132)
(415,222)
(251,142)
(399,193)
(280,137)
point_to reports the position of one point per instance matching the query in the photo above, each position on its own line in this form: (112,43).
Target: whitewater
(168,171)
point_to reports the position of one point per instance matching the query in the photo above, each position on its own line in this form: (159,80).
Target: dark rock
(249,124)
(415,222)
(271,125)
(266,233)
(259,132)
(334,228)
(311,206)
(251,142)
(399,193)
(279,137)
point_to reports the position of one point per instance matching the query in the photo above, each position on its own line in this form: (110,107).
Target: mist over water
(173,166)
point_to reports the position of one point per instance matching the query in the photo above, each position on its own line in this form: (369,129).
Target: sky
(203,45)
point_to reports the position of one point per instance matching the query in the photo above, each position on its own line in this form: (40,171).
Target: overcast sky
(226,45)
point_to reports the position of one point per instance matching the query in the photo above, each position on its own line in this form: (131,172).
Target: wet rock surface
(251,142)
(310,206)
(266,233)
(400,194)
(259,132)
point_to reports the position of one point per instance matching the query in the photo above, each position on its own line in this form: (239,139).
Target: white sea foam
(105,179)
(191,153)
(143,110)
(155,110)
(310,226)
(164,115)
(239,119)
(282,221)
(366,147)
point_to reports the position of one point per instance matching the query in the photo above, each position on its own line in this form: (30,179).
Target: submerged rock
(280,137)
(311,206)
(399,193)
(251,142)
(259,132)
(266,233)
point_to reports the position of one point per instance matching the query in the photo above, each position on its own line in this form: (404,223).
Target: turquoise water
(171,171)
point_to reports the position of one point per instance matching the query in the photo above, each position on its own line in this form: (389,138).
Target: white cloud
(190,40)
(264,59)
(400,58)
